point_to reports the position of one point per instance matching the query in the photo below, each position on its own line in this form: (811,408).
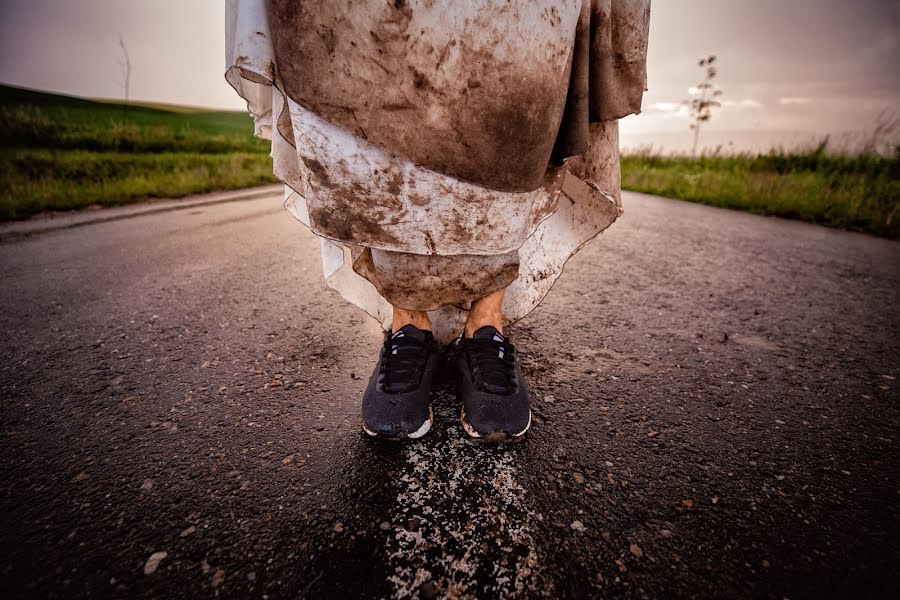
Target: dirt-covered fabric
(426,142)
(609,70)
(475,90)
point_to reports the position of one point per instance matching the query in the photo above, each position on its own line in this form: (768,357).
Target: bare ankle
(484,312)
(417,318)
(474,325)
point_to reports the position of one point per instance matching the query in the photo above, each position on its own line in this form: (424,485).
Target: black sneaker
(396,402)
(491,387)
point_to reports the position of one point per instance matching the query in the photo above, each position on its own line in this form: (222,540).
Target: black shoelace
(404,359)
(492,363)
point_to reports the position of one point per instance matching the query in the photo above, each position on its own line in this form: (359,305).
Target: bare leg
(486,311)
(417,318)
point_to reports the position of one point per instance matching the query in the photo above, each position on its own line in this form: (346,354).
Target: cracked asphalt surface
(715,402)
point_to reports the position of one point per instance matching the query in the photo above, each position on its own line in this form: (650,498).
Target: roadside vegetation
(860,192)
(854,184)
(62,153)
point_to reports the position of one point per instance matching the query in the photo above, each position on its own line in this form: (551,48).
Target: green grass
(41,119)
(860,193)
(62,153)
(83,178)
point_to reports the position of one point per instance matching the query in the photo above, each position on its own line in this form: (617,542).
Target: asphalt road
(715,397)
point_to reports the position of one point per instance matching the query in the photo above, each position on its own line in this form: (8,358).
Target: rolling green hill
(60,152)
(44,120)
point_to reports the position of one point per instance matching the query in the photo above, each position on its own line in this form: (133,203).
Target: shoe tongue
(488,332)
(410,331)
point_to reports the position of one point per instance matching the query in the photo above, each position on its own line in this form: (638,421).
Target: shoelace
(492,362)
(404,358)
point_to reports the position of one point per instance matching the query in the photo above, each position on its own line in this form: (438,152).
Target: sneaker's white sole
(493,437)
(425,428)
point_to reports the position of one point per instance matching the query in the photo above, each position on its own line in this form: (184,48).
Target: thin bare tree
(125,65)
(704,98)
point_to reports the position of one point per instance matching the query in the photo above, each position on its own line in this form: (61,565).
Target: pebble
(636,550)
(339,527)
(147,485)
(187,531)
(385,525)
(428,590)
(577,526)
(153,562)
(218,578)
(578,477)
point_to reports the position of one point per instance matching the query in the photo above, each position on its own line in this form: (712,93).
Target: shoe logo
(397,335)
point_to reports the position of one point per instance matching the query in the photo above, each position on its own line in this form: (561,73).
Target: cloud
(791,100)
(746,103)
(680,109)
(667,106)
(669,109)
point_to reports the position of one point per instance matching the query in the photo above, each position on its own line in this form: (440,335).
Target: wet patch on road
(462,522)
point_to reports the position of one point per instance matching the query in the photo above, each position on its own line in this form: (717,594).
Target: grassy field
(860,193)
(63,153)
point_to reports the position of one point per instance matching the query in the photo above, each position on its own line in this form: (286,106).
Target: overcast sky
(785,66)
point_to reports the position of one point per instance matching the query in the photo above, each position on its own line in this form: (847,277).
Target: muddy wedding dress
(442,150)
